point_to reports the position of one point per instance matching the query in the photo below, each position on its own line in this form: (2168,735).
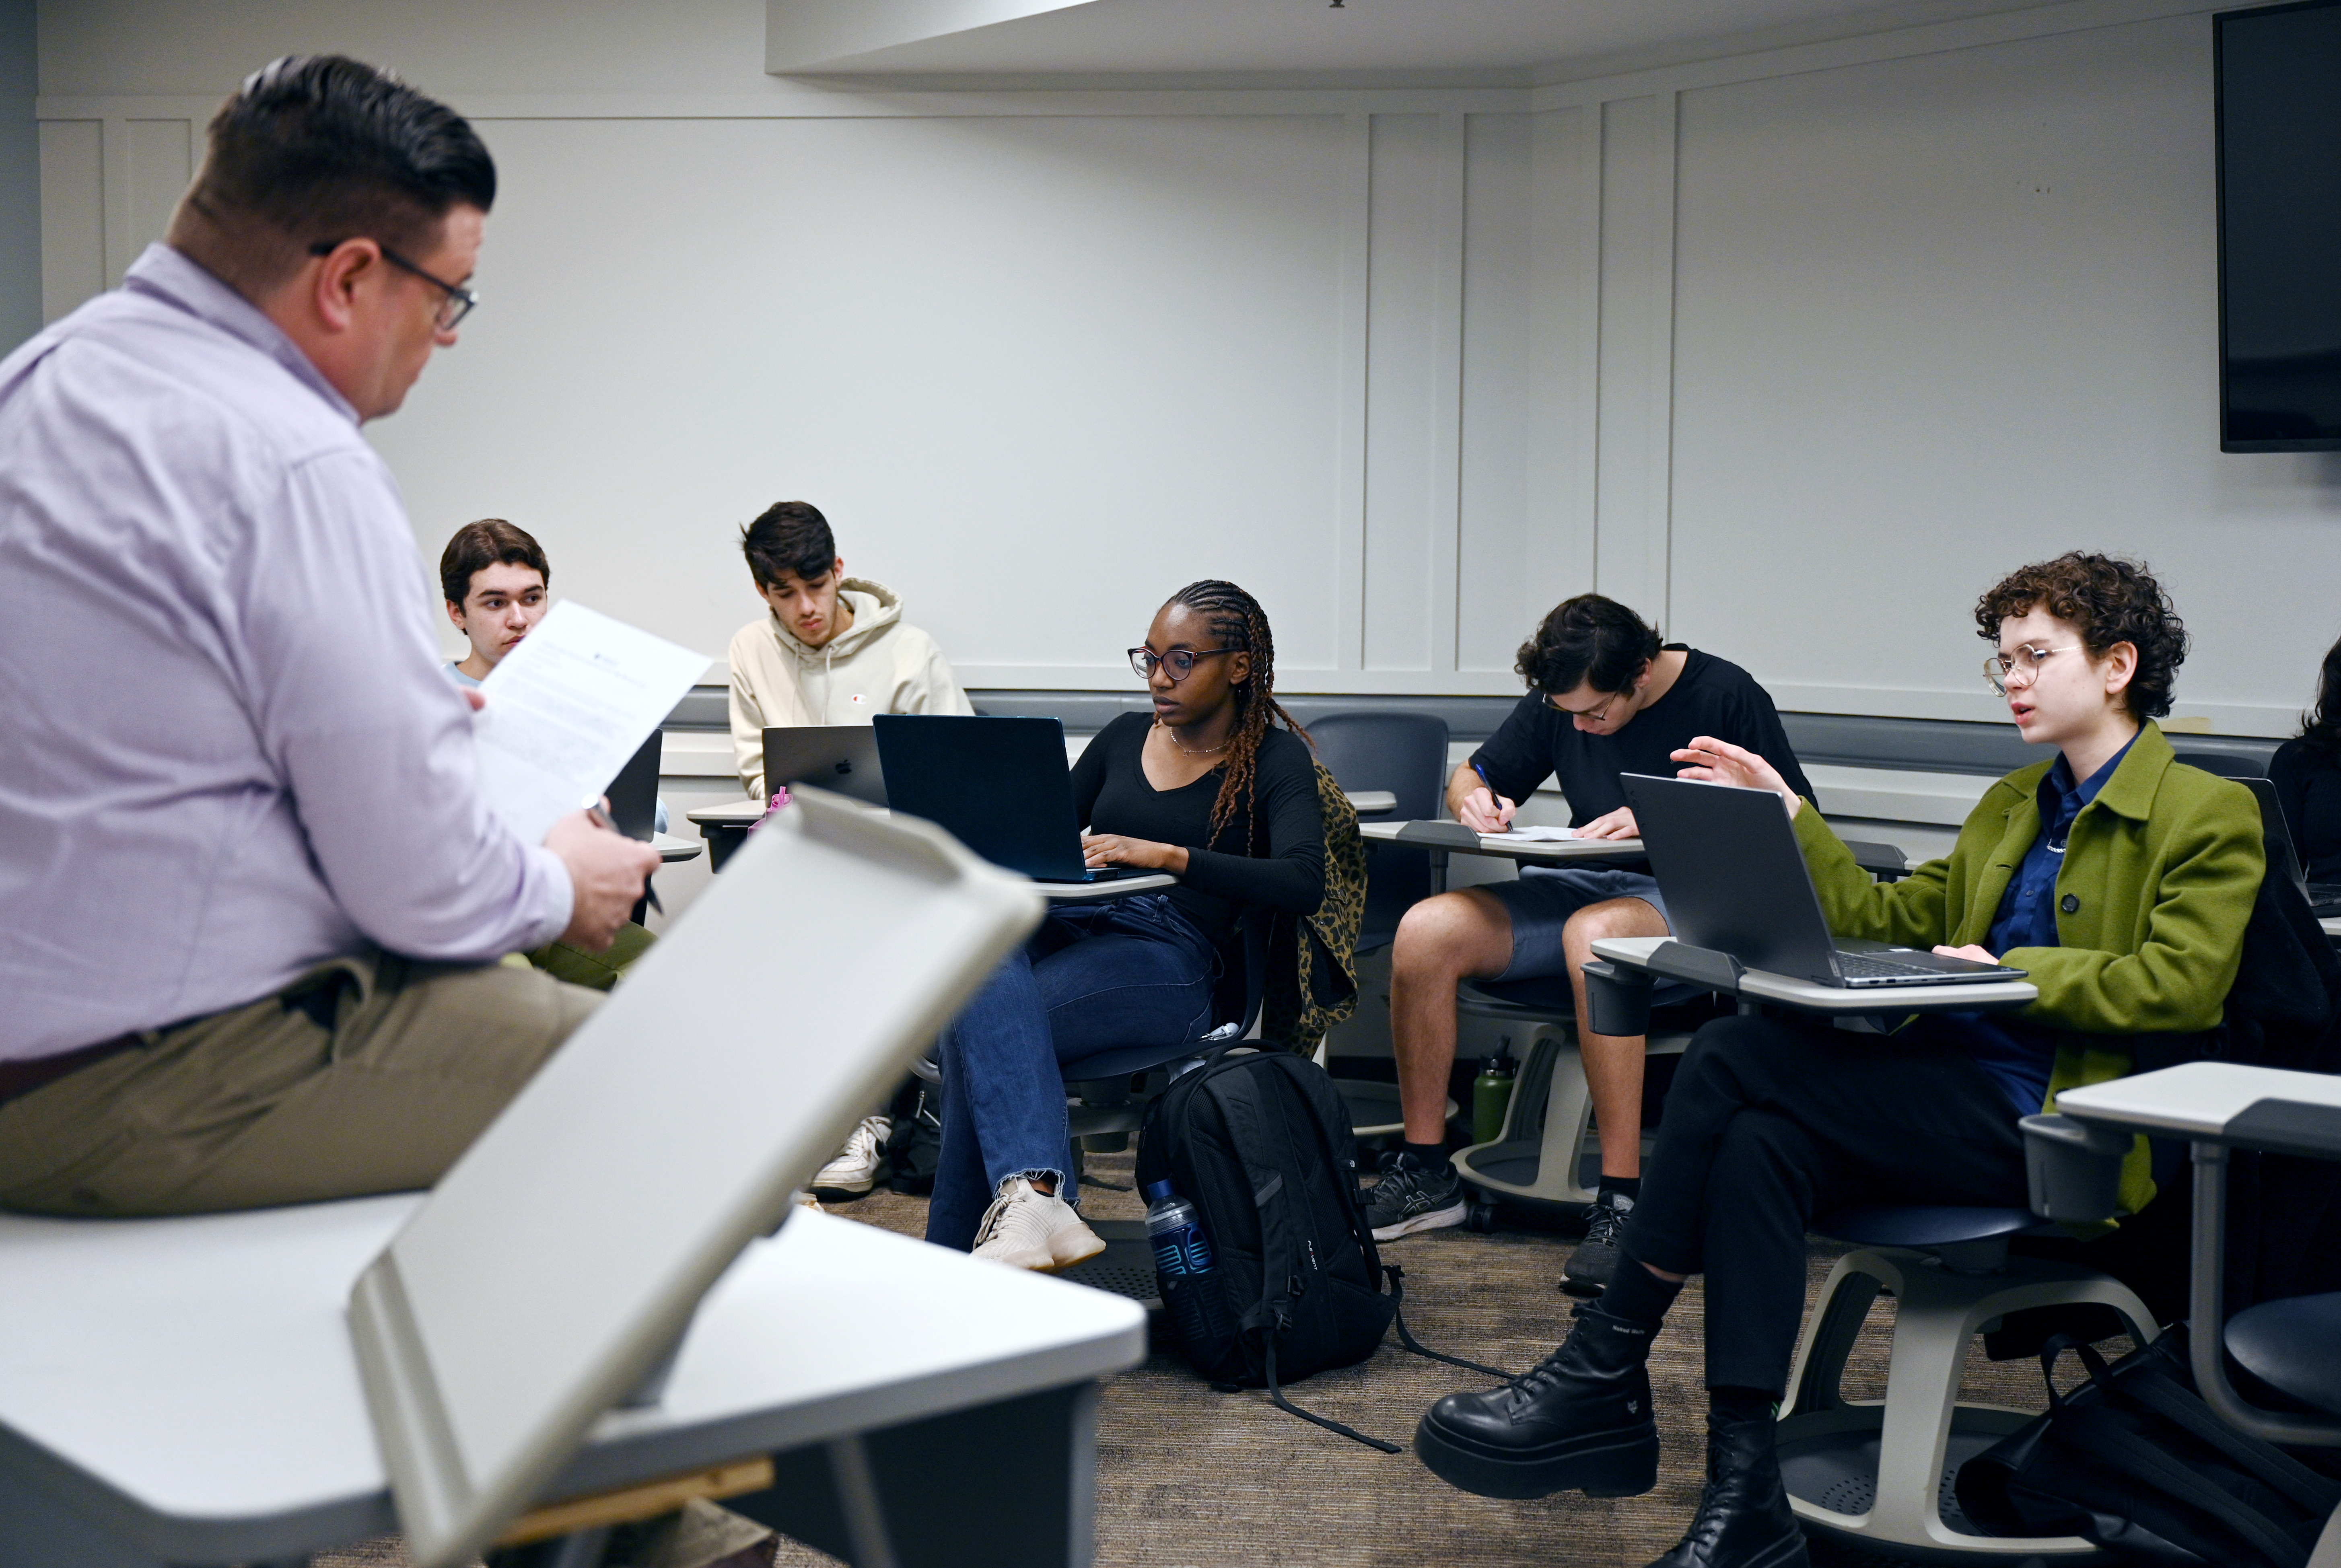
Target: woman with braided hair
(1207,788)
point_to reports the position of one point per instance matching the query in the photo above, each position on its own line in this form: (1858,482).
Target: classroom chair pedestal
(1879,1473)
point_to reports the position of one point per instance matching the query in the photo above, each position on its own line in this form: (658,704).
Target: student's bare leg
(1439,942)
(1613,1063)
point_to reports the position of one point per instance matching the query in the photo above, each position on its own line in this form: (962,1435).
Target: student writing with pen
(1606,696)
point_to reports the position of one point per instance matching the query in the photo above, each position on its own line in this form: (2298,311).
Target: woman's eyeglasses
(2021,667)
(1180,661)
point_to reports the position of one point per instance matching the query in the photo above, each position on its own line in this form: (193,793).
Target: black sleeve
(1763,733)
(1519,756)
(1291,879)
(1089,770)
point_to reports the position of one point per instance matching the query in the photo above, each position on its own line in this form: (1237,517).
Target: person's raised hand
(1484,811)
(1618,824)
(1720,763)
(606,873)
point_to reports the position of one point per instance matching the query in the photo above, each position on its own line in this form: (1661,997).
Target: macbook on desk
(998,786)
(2324,897)
(1736,882)
(839,757)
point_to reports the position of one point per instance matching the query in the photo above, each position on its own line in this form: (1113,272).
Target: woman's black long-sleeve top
(1280,865)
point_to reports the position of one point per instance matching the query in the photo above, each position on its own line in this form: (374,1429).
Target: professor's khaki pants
(371,1074)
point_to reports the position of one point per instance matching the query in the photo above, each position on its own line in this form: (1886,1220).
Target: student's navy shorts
(1545,897)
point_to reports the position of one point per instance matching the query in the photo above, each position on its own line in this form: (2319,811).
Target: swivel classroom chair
(1406,754)
(1547,1152)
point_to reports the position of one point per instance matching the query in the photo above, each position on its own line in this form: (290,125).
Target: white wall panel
(1939,316)
(159,157)
(72,214)
(1038,373)
(1564,351)
(1637,230)
(1493,528)
(1404,505)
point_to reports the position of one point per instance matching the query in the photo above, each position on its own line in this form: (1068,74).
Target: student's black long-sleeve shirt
(2309,783)
(1279,867)
(1711,697)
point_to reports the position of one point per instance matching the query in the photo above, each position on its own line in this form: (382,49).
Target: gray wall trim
(20,174)
(1845,739)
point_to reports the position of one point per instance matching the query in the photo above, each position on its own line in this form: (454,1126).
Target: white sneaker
(855,1169)
(1028,1228)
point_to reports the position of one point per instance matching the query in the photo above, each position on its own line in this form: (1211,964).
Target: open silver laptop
(1736,882)
(561,1258)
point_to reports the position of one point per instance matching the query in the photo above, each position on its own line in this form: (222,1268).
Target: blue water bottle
(1183,1270)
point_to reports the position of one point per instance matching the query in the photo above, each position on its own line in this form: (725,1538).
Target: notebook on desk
(999,785)
(561,1259)
(1735,882)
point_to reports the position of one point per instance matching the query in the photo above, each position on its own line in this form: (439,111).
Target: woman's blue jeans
(1095,977)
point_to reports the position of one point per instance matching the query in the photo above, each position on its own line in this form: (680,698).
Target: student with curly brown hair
(1208,786)
(2119,879)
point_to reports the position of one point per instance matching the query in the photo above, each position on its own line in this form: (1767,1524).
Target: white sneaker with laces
(1028,1228)
(855,1169)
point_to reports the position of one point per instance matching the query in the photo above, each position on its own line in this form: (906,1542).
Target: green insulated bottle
(1492,1096)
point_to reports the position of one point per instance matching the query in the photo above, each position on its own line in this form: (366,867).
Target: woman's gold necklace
(1189,751)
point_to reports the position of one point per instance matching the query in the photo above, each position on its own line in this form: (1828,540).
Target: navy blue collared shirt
(2017,1054)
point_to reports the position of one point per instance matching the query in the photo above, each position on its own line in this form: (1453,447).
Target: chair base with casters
(1546,1155)
(1879,1473)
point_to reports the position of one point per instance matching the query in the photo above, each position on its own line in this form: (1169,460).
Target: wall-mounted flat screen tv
(2279,119)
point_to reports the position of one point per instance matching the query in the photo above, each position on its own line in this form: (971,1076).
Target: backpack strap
(1405,1337)
(1268,1344)
(2296,1480)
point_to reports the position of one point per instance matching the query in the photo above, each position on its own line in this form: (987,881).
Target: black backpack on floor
(2135,1461)
(1261,1145)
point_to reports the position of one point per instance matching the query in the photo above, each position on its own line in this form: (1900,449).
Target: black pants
(1770,1122)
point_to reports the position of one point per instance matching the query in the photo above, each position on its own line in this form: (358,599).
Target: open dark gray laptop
(1736,882)
(843,758)
(2324,897)
(999,785)
(633,793)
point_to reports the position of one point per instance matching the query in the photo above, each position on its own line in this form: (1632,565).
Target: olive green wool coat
(2159,875)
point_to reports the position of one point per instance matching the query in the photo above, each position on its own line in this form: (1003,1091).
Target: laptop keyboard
(1862,966)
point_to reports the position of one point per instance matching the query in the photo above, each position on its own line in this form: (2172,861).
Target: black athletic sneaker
(1594,1262)
(1410,1198)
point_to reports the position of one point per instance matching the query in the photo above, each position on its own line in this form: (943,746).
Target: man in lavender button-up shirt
(252,896)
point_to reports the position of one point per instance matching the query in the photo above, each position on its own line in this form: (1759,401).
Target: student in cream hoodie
(834,649)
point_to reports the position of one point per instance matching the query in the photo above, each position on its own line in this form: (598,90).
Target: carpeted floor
(1187,1478)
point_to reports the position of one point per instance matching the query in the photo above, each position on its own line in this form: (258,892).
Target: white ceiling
(1508,42)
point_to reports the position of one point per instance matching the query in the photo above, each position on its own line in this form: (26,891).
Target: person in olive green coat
(2119,879)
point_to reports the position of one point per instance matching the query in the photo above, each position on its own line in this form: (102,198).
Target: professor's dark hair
(2109,601)
(2321,726)
(320,148)
(1237,621)
(478,546)
(791,537)
(1588,640)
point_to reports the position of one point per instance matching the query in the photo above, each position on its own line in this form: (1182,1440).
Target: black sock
(1742,1404)
(1638,1295)
(1431,1157)
(1624,1186)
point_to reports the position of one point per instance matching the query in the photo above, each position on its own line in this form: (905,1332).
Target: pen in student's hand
(1492,795)
(602,819)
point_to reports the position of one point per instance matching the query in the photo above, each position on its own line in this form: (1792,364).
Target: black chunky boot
(1744,1520)
(1578,1421)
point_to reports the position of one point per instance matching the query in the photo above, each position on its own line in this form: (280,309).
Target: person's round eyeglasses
(457,303)
(1592,715)
(2002,670)
(1180,661)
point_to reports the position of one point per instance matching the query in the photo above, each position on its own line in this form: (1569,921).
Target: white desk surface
(2332,927)
(1811,996)
(673,848)
(191,1382)
(1513,850)
(2196,1098)
(1372,802)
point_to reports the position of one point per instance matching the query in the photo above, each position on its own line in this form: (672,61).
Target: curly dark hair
(1588,640)
(2321,726)
(2109,601)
